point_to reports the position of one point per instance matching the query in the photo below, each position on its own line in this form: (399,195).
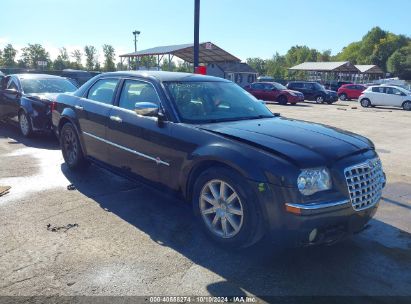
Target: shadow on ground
(376,262)
(37,140)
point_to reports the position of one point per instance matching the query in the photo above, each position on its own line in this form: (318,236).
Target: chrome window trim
(318,206)
(158,161)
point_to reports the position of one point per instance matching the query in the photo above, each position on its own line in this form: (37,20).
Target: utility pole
(136,34)
(196,34)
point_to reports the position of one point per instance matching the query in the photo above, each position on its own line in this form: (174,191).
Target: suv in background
(391,96)
(350,91)
(313,91)
(335,85)
(273,91)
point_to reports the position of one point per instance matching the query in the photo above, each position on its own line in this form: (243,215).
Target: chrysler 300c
(246,171)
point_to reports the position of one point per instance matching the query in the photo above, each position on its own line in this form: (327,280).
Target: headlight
(292,94)
(311,181)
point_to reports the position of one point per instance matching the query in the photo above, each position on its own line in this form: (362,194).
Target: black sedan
(246,171)
(28,98)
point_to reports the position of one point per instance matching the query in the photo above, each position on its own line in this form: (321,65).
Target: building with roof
(338,71)
(219,62)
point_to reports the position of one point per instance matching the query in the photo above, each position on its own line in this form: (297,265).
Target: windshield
(47,85)
(202,102)
(279,86)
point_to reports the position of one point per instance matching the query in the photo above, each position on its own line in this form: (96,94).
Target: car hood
(303,143)
(293,91)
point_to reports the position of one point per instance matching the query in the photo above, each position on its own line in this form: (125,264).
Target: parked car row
(273,91)
(246,172)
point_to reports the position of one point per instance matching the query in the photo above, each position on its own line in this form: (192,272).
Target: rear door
(257,90)
(377,96)
(358,91)
(93,114)
(138,145)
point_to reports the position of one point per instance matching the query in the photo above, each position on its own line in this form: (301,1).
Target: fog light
(313,235)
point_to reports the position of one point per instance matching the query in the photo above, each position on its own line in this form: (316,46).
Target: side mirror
(15,93)
(146,108)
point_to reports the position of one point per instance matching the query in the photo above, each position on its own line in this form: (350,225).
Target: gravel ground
(112,237)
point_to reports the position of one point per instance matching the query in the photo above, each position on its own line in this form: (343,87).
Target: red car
(350,91)
(273,91)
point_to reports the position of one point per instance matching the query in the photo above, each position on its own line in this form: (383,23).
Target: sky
(245,28)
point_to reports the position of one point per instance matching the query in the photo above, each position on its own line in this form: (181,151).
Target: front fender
(218,154)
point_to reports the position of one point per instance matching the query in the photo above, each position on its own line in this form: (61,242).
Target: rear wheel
(365,102)
(226,208)
(343,97)
(25,124)
(407,106)
(282,100)
(319,99)
(71,148)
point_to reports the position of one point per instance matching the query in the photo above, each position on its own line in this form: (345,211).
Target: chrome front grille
(365,182)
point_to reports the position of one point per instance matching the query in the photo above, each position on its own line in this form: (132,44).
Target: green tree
(350,53)
(109,55)
(185,67)
(91,54)
(168,66)
(77,56)
(34,53)
(399,62)
(62,61)
(9,56)
(276,67)
(257,64)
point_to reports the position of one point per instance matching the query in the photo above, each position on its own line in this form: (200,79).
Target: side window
(351,87)
(135,91)
(257,86)
(4,82)
(103,91)
(393,91)
(378,89)
(268,87)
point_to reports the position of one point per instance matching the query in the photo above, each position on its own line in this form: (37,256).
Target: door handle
(77,107)
(116,119)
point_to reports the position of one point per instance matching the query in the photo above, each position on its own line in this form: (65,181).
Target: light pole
(136,34)
(196,34)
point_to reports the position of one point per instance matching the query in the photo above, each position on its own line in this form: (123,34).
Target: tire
(71,148)
(319,99)
(407,106)
(343,97)
(25,124)
(365,103)
(242,228)
(282,100)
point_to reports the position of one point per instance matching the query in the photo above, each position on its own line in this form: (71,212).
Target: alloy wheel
(319,99)
(343,97)
(221,209)
(70,145)
(407,106)
(24,124)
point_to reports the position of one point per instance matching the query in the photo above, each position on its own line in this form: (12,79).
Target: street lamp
(136,34)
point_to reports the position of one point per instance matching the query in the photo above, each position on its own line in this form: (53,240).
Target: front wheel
(71,149)
(407,106)
(25,124)
(226,208)
(343,97)
(365,103)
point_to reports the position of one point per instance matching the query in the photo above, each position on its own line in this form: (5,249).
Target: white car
(385,95)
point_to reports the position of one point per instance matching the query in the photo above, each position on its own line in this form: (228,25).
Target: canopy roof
(340,66)
(209,53)
(369,69)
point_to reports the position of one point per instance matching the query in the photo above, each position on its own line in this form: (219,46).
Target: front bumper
(295,99)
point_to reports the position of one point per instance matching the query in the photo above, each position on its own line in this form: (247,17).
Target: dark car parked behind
(246,171)
(313,91)
(28,99)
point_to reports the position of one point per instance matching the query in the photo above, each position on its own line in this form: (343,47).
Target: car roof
(165,76)
(36,76)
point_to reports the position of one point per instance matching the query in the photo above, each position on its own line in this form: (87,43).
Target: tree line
(391,52)
(32,54)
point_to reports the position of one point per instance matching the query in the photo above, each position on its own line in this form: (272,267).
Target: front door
(10,98)
(93,111)
(138,145)
(393,97)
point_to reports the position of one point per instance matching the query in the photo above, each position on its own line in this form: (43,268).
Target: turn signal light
(292,209)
